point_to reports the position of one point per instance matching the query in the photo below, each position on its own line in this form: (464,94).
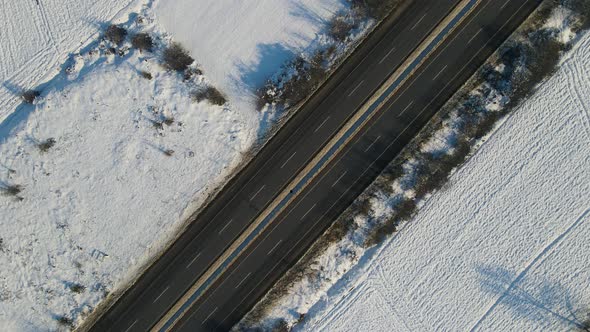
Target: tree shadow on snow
(542,302)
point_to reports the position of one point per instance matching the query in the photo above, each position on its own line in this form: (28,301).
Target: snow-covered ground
(505,246)
(240,57)
(132,156)
(36,37)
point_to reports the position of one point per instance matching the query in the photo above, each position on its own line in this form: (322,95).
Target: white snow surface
(37,35)
(504,247)
(240,57)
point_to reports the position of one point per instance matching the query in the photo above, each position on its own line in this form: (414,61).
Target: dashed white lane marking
(285,163)
(505,3)
(242,281)
(308,211)
(273,248)
(374,141)
(358,85)
(259,190)
(130,326)
(321,124)
(224,227)
(405,109)
(387,55)
(473,37)
(420,20)
(440,72)
(339,178)
(194,259)
(209,316)
(162,293)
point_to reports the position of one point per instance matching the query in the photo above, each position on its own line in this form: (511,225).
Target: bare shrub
(146,74)
(46,144)
(158,125)
(29,96)
(582,8)
(142,41)
(115,34)
(288,89)
(77,288)
(281,326)
(191,72)
(65,321)
(168,120)
(177,58)
(429,176)
(210,93)
(11,189)
(340,28)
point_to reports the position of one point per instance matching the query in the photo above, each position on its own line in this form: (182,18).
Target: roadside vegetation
(300,76)
(512,74)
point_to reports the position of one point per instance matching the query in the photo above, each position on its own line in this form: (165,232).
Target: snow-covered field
(37,36)
(504,247)
(132,156)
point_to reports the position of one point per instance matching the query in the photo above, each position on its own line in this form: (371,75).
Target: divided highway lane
(243,283)
(273,168)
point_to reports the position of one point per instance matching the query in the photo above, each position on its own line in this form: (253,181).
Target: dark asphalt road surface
(353,169)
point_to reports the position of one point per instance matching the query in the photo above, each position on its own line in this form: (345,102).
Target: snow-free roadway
(321,201)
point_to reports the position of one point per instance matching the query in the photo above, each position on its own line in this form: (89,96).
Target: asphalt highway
(349,173)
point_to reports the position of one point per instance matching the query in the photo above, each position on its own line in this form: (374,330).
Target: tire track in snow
(523,273)
(387,300)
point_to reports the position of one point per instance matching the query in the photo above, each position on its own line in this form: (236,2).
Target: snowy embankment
(501,213)
(99,173)
(505,246)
